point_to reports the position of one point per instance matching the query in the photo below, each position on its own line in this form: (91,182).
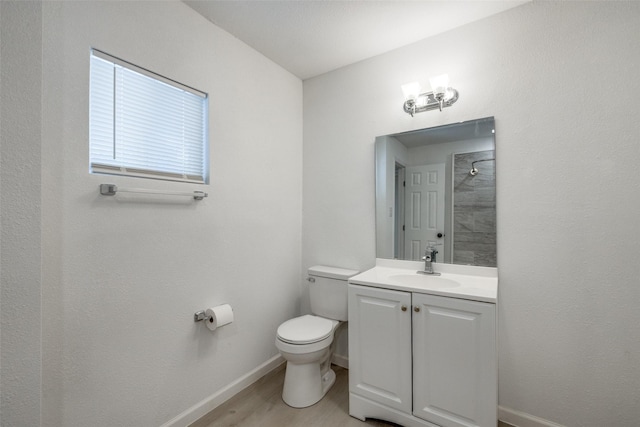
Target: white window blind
(143,124)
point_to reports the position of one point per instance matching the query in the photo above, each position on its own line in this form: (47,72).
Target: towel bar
(112,189)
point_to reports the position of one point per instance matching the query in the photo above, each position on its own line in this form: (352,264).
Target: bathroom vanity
(422,348)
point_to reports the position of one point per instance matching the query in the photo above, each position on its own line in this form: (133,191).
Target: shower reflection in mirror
(436,187)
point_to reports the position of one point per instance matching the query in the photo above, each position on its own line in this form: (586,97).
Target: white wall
(20,213)
(389,151)
(568,194)
(122,277)
(441,153)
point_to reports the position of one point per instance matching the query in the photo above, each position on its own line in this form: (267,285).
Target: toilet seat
(307,329)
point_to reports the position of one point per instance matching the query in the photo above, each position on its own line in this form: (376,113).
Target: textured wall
(474,210)
(20,213)
(567,196)
(123,276)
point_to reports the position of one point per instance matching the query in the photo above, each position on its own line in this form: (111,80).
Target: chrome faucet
(429,258)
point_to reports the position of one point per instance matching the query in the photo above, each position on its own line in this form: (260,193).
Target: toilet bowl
(305,342)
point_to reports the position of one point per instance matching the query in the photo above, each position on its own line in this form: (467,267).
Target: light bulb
(439,84)
(411,90)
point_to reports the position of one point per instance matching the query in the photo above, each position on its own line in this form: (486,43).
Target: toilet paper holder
(215,317)
(200,315)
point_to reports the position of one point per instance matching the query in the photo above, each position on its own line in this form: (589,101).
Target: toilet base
(328,380)
(305,385)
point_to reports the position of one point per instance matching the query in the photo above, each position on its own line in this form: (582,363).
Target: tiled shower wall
(474,210)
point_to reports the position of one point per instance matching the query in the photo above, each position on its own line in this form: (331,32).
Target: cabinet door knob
(416,308)
(403,308)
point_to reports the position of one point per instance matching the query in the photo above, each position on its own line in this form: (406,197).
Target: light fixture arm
(410,106)
(440,98)
(430,101)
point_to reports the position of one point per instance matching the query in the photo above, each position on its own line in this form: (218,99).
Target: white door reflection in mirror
(424,197)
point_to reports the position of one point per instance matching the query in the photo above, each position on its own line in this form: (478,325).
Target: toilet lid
(305,329)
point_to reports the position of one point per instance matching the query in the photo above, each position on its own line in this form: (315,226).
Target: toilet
(305,341)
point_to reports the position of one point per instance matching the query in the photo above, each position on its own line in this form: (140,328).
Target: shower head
(474,171)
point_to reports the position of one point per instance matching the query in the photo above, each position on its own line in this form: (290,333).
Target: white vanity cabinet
(380,346)
(421,360)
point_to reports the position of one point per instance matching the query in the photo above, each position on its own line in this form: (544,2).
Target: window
(145,125)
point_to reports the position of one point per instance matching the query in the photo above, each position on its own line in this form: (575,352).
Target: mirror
(436,187)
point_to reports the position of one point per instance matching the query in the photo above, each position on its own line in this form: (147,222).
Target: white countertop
(475,283)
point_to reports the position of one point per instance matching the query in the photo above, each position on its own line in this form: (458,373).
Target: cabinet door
(454,361)
(380,345)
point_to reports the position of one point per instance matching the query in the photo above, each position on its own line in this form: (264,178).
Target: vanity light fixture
(441,96)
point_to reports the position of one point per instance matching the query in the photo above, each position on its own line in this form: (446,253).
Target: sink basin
(424,280)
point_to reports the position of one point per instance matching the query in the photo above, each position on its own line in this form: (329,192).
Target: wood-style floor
(261,405)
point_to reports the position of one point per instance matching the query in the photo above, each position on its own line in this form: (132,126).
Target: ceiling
(312,37)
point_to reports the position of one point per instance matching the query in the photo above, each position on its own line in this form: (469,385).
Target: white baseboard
(340,360)
(212,402)
(521,419)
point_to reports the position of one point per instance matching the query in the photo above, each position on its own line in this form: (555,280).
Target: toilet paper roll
(219,315)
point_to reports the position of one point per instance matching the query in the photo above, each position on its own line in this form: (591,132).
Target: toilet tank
(328,291)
